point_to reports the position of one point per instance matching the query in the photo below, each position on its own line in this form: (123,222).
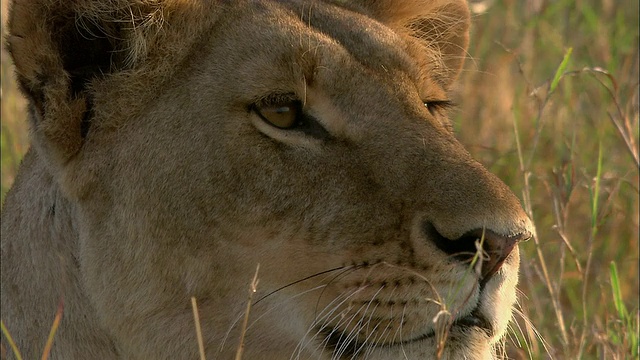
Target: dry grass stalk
(252,290)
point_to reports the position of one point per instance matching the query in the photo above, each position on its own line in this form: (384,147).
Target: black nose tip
(495,247)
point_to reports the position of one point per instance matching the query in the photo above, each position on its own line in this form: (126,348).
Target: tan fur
(152,179)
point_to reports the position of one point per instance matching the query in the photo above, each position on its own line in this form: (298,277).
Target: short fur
(152,178)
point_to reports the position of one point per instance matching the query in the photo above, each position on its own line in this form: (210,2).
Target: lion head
(179,144)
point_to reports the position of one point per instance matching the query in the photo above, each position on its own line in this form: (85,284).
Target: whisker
(237,319)
(266,312)
(319,318)
(375,339)
(297,282)
(360,325)
(535,331)
(337,354)
(328,319)
(371,332)
(400,328)
(235,322)
(346,271)
(383,336)
(354,332)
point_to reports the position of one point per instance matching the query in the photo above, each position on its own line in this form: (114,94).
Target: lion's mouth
(344,342)
(474,320)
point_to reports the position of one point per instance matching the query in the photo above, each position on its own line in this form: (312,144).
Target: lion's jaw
(351,216)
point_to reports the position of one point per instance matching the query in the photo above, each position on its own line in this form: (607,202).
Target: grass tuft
(576,143)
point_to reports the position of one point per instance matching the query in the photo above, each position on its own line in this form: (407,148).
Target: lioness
(177,144)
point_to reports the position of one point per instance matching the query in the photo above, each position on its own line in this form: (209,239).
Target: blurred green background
(548,101)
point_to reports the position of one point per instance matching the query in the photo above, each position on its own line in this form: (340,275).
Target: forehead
(369,42)
(298,39)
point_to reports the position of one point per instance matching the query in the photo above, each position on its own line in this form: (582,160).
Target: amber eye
(284,115)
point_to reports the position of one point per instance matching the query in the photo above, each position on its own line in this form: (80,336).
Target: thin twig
(252,290)
(196,318)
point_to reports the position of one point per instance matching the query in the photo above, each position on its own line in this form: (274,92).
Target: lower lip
(473,321)
(469,321)
(460,324)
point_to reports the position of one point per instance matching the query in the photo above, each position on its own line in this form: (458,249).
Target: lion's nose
(492,248)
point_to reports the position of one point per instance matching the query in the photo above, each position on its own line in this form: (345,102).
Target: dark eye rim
(304,123)
(436,106)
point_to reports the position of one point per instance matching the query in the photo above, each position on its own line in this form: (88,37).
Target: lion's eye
(283,115)
(430,108)
(435,106)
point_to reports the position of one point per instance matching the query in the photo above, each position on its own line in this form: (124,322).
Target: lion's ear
(440,25)
(57,52)
(63,48)
(59,48)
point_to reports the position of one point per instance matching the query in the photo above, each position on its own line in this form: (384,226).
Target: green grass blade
(12,343)
(52,333)
(617,293)
(596,194)
(560,71)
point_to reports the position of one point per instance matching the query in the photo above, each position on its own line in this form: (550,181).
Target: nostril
(463,248)
(495,247)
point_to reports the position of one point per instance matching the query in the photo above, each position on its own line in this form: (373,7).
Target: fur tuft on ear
(442,26)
